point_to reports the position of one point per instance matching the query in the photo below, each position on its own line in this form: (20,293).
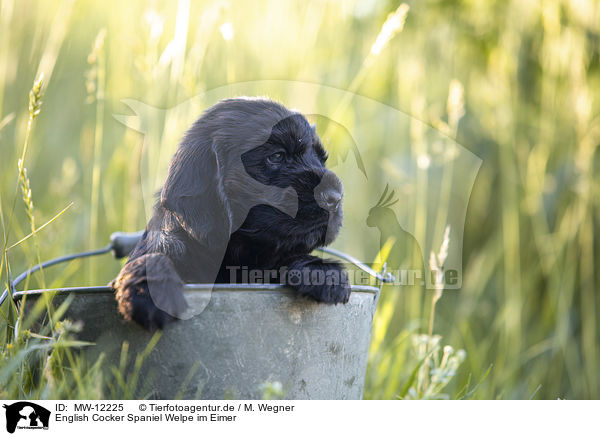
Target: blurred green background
(516,83)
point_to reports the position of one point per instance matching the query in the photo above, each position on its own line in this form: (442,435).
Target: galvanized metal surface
(246,336)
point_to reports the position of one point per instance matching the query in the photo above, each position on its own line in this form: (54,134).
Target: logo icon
(26,415)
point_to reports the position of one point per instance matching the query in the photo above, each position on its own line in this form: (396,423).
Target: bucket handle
(123,243)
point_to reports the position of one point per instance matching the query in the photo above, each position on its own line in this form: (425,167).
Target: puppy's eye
(276,158)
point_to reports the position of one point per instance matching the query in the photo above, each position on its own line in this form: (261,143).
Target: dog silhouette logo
(26,415)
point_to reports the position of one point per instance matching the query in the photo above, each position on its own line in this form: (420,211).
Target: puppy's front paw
(327,284)
(149,292)
(135,304)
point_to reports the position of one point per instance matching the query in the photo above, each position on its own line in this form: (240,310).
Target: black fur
(247,188)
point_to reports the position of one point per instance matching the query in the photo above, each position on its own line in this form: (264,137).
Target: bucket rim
(189,287)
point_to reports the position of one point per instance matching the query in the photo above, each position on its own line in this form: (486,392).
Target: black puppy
(246,190)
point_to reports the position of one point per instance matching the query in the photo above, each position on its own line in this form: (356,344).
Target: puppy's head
(253,166)
(293,157)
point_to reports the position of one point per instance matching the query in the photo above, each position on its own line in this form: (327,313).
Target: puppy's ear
(194,193)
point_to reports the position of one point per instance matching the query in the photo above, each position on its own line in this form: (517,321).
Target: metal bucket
(247,335)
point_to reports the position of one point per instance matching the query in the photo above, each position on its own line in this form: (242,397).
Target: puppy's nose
(332,199)
(329,192)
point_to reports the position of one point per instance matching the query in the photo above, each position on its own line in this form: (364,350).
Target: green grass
(515,83)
